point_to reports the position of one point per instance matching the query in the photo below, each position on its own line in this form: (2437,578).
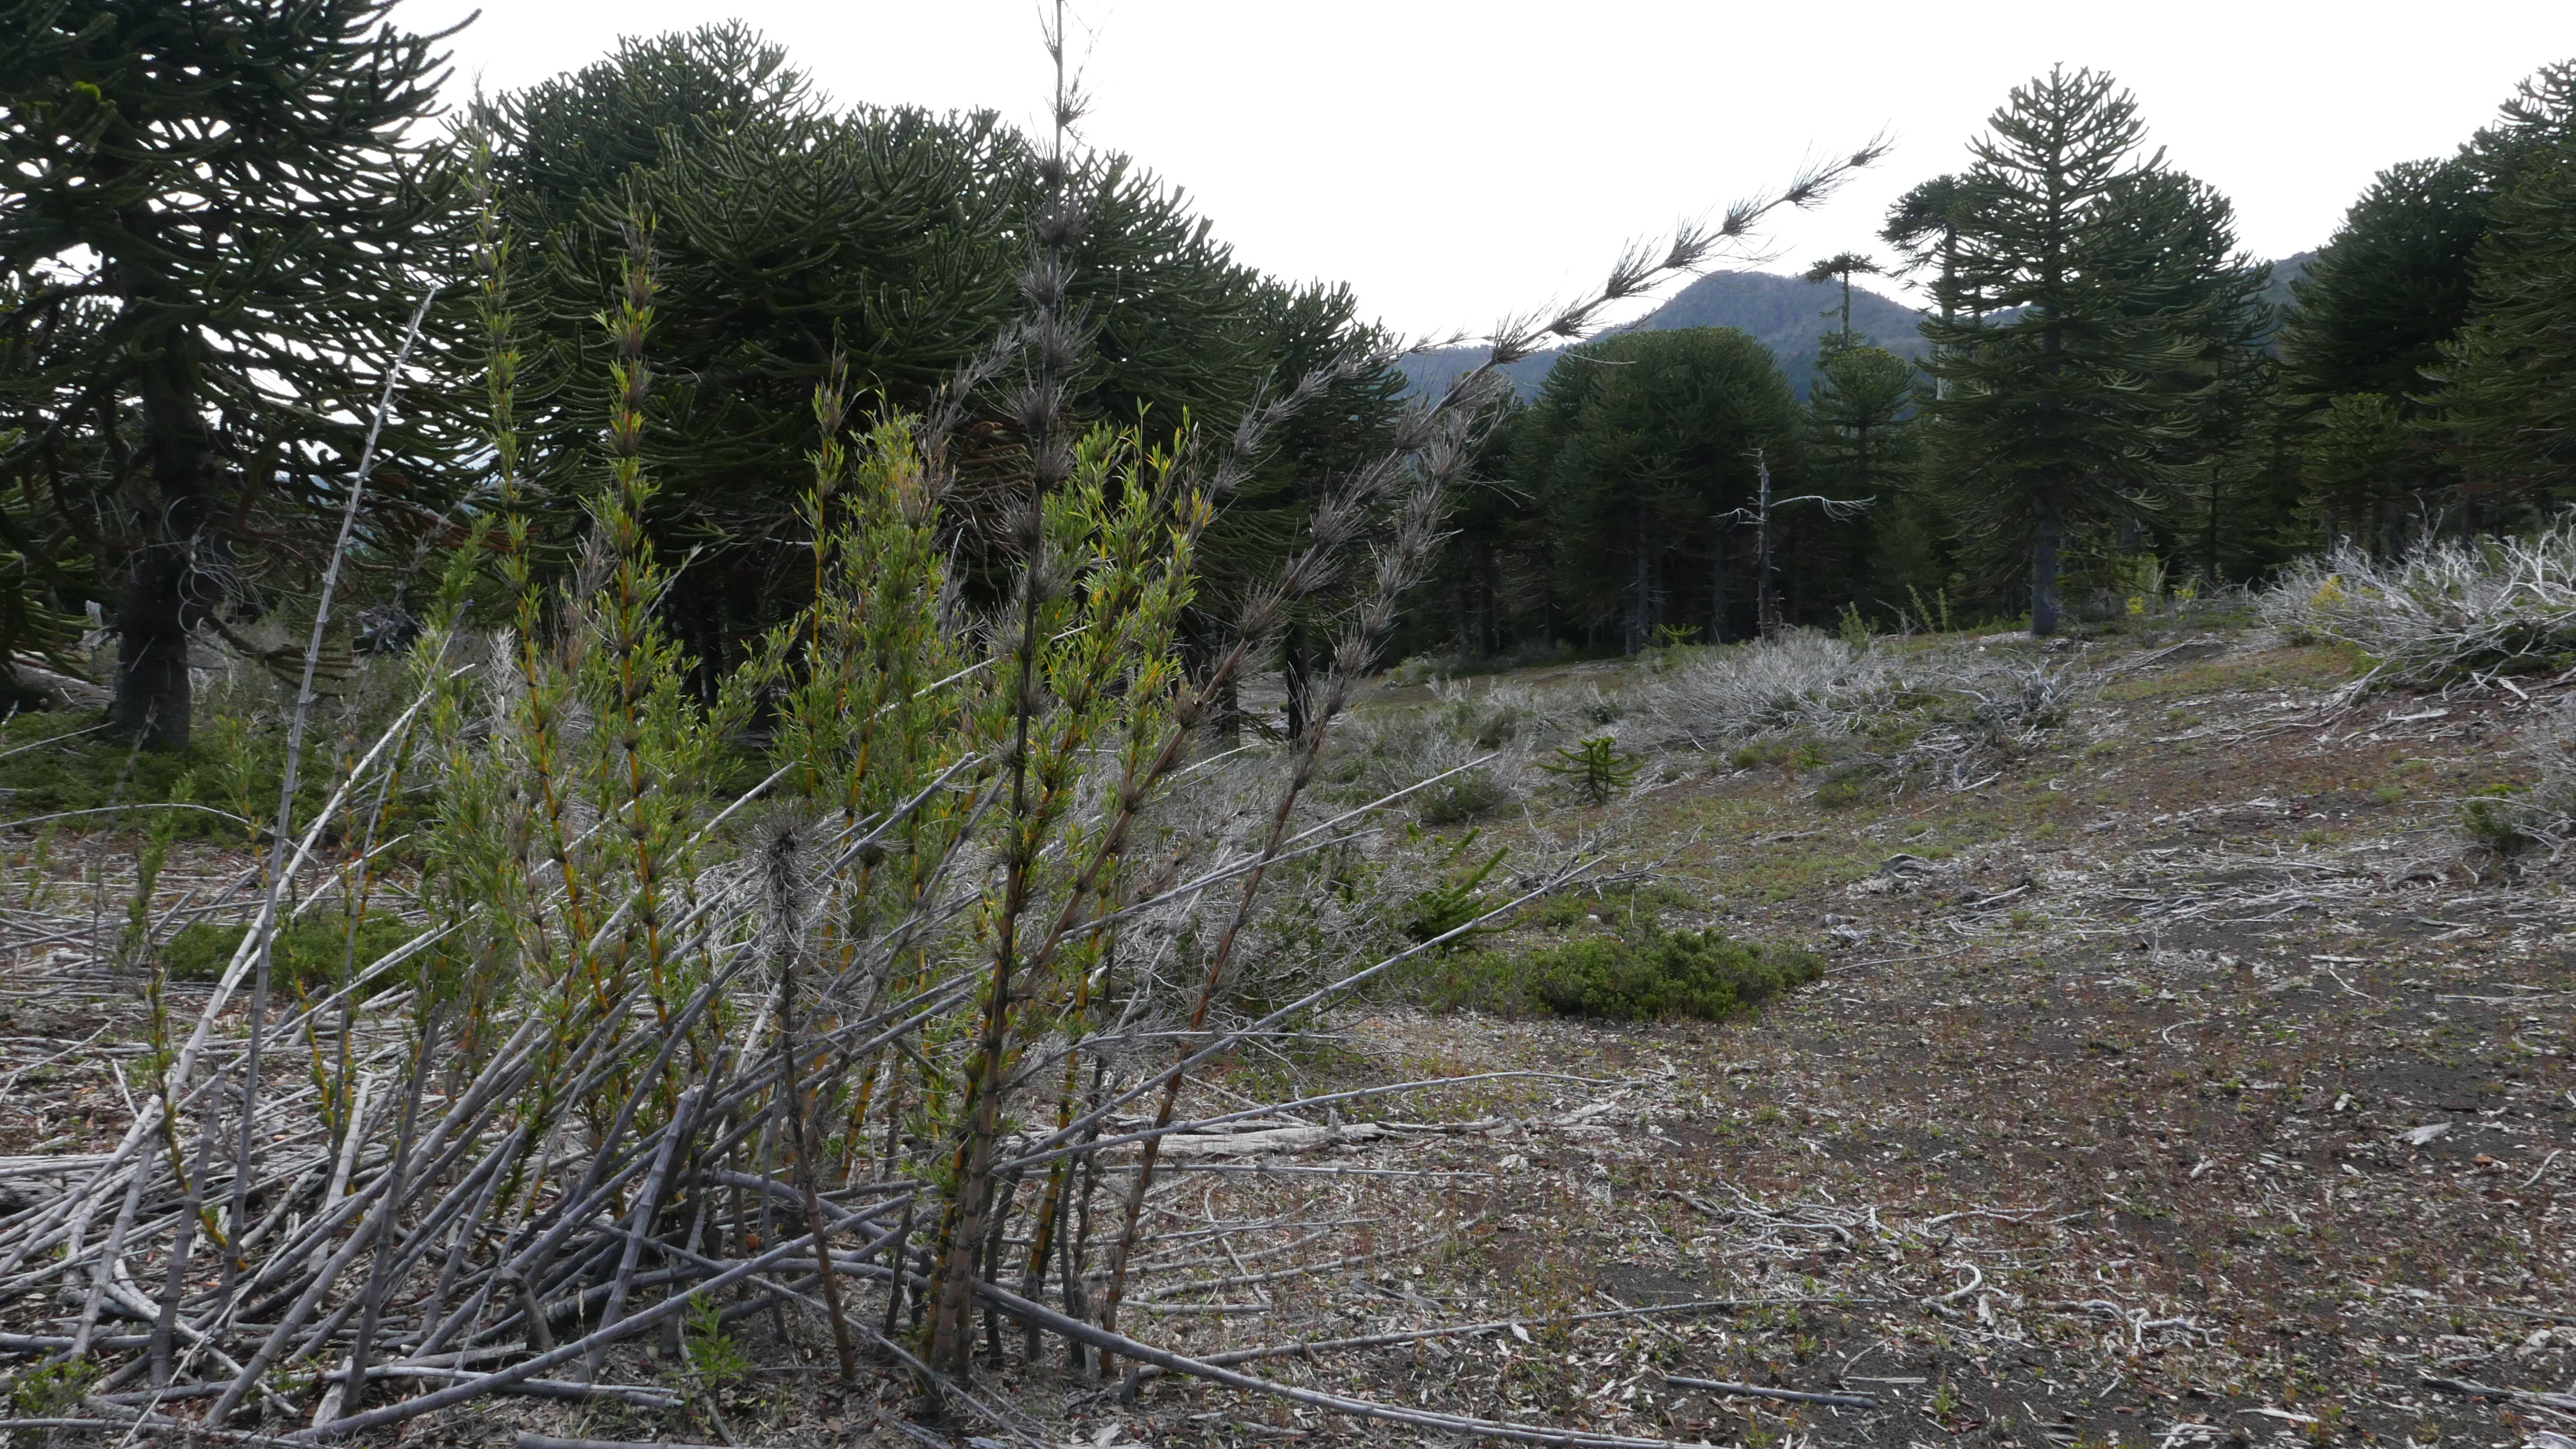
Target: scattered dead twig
(1147,1354)
(1501,1325)
(2470,1388)
(541,1441)
(1795,1396)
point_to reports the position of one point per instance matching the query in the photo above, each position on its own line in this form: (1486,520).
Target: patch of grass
(60,762)
(306,953)
(1623,903)
(1792,869)
(1649,975)
(2318,666)
(1784,752)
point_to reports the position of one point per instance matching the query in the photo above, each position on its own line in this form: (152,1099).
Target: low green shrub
(2496,823)
(1625,904)
(1467,981)
(1462,797)
(1763,752)
(1647,975)
(306,954)
(55,763)
(54,1388)
(1661,974)
(715,1356)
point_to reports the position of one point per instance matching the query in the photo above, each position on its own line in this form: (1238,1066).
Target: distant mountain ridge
(2287,270)
(1785,314)
(1782,313)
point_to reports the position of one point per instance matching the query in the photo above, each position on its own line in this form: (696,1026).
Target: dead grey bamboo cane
(648,1204)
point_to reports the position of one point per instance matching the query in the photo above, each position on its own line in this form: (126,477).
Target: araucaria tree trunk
(2048,538)
(150,697)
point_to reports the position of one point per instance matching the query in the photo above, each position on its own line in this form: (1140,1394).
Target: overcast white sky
(1454,161)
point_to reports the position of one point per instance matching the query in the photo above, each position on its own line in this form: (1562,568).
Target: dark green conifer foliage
(218,217)
(1841,267)
(1861,445)
(46,568)
(2533,128)
(1857,412)
(790,234)
(2049,418)
(2388,288)
(2509,391)
(1925,224)
(2166,244)
(2356,451)
(1293,331)
(1495,526)
(2373,312)
(1636,445)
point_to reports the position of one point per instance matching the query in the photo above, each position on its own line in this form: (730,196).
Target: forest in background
(2106,399)
(2107,402)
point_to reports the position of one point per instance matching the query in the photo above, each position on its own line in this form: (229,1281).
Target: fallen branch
(1795,1396)
(2564,1403)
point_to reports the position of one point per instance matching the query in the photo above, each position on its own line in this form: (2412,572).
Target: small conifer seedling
(1596,768)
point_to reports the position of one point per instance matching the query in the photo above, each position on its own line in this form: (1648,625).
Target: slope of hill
(2286,271)
(1782,313)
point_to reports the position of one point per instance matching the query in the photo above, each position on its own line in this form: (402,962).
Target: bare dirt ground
(2191,1085)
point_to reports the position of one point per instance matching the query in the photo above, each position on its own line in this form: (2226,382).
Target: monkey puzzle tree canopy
(216,217)
(789,235)
(2082,316)
(2388,288)
(2509,377)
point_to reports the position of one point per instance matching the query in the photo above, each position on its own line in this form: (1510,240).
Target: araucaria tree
(1641,447)
(2371,314)
(2510,394)
(796,238)
(216,219)
(1840,268)
(1861,448)
(1925,224)
(2072,355)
